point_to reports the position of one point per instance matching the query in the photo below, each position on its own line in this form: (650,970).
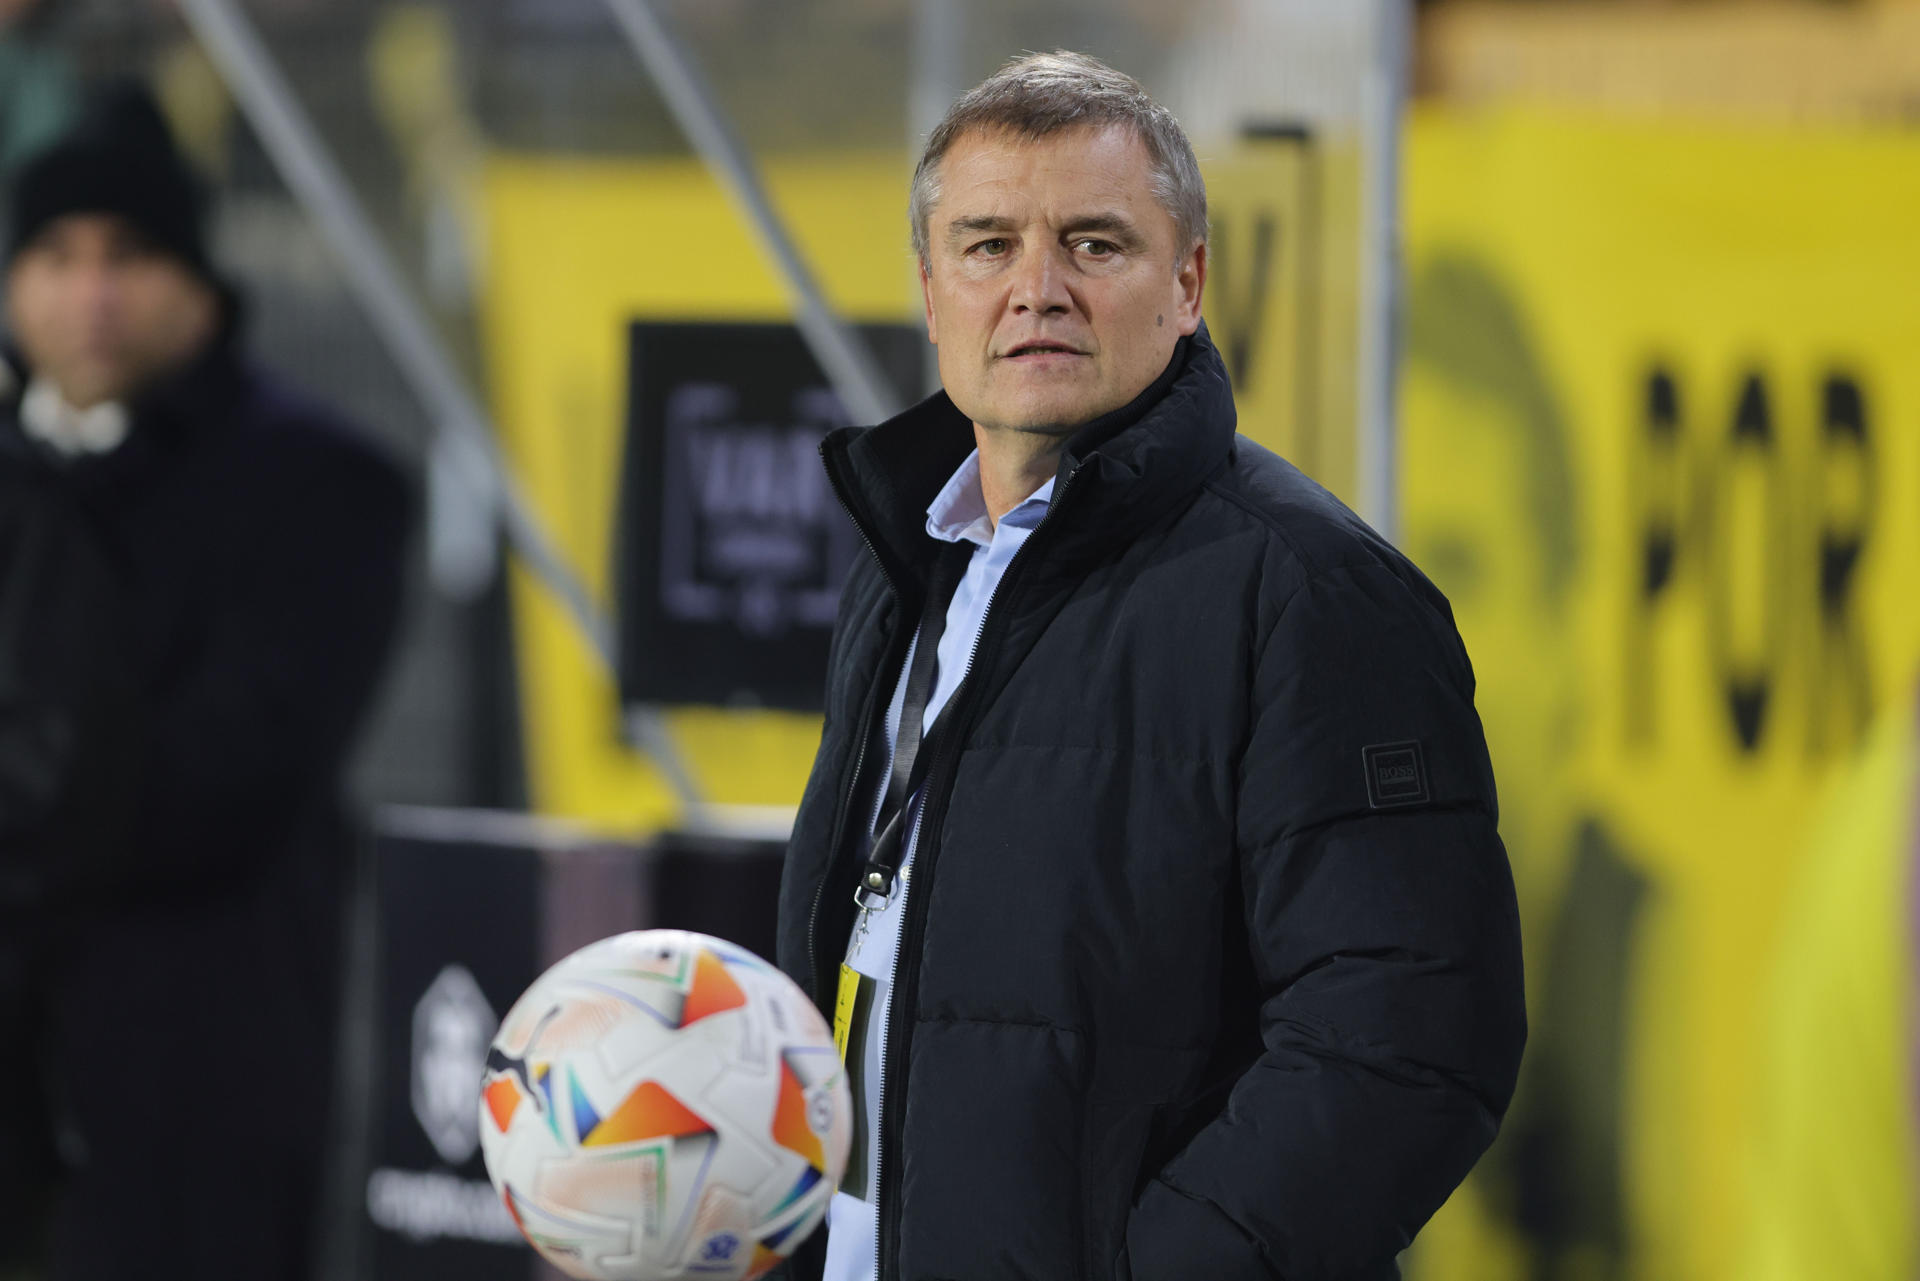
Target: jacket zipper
(893,1054)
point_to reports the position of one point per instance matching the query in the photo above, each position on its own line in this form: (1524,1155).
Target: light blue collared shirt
(958,513)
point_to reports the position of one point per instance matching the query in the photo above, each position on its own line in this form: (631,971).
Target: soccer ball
(663,1104)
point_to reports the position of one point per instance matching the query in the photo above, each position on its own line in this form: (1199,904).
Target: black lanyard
(910,754)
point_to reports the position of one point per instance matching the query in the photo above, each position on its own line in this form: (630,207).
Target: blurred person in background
(199,582)
(1152,817)
(37,89)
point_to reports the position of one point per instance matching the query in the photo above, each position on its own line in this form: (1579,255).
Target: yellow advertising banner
(1661,448)
(578,249)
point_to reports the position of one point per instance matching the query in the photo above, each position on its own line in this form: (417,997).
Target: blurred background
(1607,310)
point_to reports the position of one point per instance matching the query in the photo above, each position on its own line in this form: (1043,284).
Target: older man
(199,578)
(1149,861)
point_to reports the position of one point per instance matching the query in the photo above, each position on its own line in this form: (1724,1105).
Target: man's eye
(1095,248)
(990,248)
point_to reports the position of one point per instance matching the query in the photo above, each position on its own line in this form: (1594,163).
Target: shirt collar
(46,416)
(959,510)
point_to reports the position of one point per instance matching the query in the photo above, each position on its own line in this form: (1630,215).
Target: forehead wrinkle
(1094,180)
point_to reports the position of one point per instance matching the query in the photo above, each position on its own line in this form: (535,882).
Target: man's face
(1055,287)
(101,311)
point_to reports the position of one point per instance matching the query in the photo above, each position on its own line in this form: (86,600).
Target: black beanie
(118,158)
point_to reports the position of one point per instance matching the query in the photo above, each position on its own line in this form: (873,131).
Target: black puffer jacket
(1211,970)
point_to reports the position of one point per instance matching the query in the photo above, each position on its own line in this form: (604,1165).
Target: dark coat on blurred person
(223,593)
(193,622)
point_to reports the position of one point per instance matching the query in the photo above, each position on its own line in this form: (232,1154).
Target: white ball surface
(663,1104)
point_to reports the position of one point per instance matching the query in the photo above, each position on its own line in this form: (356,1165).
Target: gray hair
(1044,93)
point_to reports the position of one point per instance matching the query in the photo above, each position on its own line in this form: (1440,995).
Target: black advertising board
(459,938)
(732,547)
(468,909)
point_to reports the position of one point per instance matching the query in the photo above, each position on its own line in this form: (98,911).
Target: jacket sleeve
(255,721)
(1385,946)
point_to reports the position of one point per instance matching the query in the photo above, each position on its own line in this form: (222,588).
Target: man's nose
(95,287)
(1040,285)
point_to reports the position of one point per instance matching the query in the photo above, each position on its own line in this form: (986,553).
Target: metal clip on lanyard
(910,759)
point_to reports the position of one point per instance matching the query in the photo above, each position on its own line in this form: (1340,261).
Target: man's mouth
(1042,347)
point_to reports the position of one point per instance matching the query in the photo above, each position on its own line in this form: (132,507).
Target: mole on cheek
(1159,320)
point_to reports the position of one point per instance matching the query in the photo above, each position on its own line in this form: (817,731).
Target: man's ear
(926,296)
(1191,278)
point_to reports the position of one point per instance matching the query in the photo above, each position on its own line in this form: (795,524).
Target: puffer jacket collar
(1118,474)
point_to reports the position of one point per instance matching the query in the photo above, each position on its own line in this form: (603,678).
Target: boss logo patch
(1396,775)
